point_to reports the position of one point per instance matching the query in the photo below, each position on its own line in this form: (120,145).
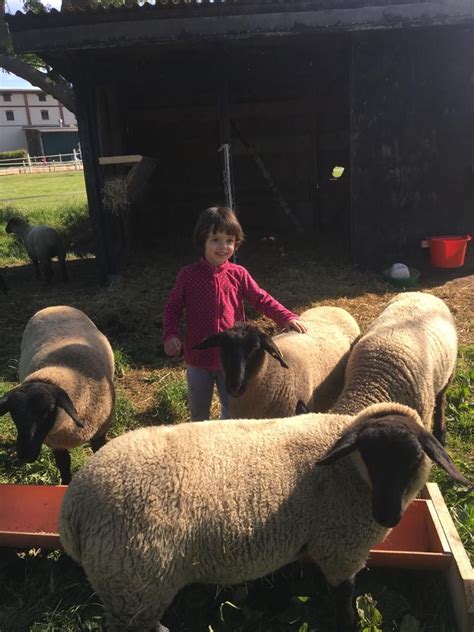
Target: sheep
(42,243)
(407,355)
(159,508)
(307,367)
(66,396)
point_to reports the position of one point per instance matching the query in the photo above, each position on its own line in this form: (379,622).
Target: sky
(12,81)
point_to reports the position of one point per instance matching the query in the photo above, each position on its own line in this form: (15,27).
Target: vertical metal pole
(225,145)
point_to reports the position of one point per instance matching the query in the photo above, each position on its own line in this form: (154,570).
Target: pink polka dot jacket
(213,300)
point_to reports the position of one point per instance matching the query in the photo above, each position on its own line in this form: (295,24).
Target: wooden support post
(85,112)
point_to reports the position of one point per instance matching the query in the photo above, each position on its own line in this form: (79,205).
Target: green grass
(171,400)
(460,444)
(27,192)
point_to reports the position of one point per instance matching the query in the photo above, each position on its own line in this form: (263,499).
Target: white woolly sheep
(42,243)
(211,502)
(265,376)
(66,396)
(407,355)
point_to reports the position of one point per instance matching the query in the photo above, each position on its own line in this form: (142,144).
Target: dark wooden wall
(395,108)
(412,140)
(288,99)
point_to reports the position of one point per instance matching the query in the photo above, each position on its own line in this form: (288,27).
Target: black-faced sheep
(66,396)
(265,376)
(41,243)
(407,355)
(211,502)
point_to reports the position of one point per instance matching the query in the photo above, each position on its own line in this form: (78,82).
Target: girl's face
(219,247)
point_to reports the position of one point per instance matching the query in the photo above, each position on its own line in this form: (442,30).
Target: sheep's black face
(242,350)
(241,357)
(33,410)
(14,224)
(393,458)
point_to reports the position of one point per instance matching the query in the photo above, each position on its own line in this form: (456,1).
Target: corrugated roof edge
(169,8)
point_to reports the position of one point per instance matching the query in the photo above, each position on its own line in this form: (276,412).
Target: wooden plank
(419,560)
(119,160)
(435,530)
(460,574)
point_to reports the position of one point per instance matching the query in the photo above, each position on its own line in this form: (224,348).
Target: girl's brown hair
(218,219)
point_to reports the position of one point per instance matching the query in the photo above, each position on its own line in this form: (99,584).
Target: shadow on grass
(48,591)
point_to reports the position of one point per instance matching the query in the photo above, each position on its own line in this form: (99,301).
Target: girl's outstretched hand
(173,346)
(297,325)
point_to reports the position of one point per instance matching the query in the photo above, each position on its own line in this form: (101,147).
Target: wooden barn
(254,102)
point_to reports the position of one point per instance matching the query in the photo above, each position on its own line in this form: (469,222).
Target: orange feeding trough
(29,515)
(418,541)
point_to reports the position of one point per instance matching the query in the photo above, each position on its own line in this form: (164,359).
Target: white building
(33,120)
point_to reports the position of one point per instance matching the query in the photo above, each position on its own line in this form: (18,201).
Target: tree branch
(59,89)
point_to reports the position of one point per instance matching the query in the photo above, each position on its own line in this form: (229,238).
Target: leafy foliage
(370,618)
(16,153)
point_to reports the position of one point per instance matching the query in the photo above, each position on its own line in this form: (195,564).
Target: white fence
(39,164)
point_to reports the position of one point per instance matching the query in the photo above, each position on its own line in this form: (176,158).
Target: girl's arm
(265,304)
(172,314)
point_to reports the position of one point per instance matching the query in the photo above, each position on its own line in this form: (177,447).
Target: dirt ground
(129,311)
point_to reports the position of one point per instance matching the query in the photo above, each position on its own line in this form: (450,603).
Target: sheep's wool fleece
(316,362)
(62,346)
(213,501)
(407,355)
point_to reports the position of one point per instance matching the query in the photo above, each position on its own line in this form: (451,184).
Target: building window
(44,115)
(7,96)
(41,96)
(10,115)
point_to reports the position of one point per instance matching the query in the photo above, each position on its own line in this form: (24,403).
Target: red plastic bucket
(448,251)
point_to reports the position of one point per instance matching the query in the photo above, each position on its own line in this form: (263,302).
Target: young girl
(212,292)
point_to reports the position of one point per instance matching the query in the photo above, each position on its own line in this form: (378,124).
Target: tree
(31,67)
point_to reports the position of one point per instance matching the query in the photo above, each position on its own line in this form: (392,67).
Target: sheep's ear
(270,347)
(301,408)
(211,341)
(438,454)
(343,446)
(64,401)
(4,404)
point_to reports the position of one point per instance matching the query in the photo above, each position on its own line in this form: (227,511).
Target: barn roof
(182,20)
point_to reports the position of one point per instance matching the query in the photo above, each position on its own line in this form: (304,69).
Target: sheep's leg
(63,463)
(345,613)
(37,268)
(138,612)
(48,270)
(98,442)
(439,417)
(64,274)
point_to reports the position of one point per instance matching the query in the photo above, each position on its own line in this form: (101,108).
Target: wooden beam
(460,575)
(120,160)
(93,29)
